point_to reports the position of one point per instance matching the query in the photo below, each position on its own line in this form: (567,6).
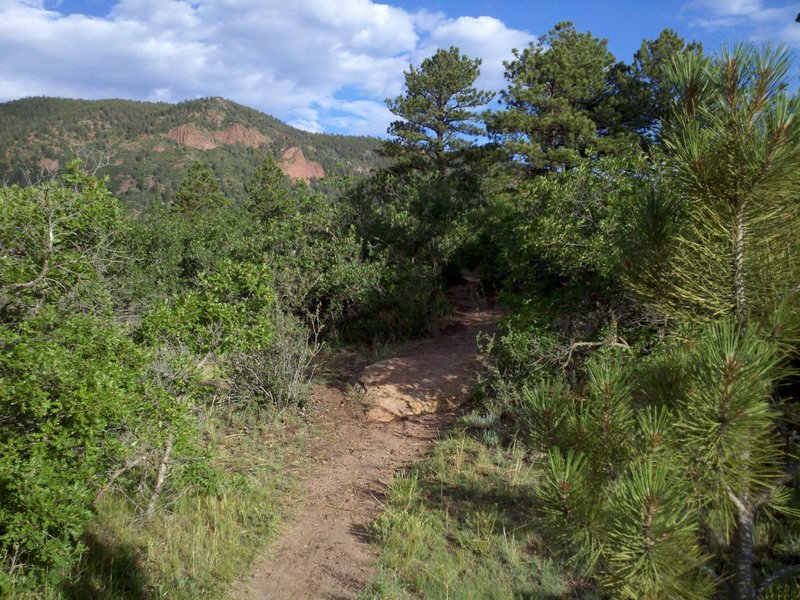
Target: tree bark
(743,583)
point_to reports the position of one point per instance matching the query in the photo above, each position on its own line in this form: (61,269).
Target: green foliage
(639,97)
(169,252)
(650,66)
(314,252)
(412,226)
(75,402)
(56,237)
(199,193)
(687,436)
(437,110)
(552,87)
(652,549)
(275,373)
(726,419)
(724,240)
(565,230)
(228,308)
(268,193)
(70,395)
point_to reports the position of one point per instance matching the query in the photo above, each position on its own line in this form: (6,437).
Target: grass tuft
(460,526)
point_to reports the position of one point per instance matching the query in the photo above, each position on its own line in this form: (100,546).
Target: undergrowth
(204,540)
(459,526)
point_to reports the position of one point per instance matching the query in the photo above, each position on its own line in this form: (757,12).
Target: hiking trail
(399,408)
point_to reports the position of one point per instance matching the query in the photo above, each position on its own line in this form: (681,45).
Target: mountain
(145,148)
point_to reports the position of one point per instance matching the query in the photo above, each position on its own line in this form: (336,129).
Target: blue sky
(322,65)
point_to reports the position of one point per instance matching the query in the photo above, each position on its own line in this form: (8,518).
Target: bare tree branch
(160,478)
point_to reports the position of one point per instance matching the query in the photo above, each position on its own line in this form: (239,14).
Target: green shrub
(71,394)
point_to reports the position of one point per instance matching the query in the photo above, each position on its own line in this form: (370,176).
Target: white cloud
(318,64)
(753,18)
(484,37)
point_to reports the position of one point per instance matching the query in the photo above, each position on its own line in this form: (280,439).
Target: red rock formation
(48,164)
(199,139)
(297,166)
(250,137)
(126,185)
(191,136)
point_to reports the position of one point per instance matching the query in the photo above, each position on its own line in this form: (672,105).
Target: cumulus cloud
(323,65)
(484,37)
(753,18)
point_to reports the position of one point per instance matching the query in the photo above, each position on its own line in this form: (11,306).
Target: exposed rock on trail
(436,377)
(325,552)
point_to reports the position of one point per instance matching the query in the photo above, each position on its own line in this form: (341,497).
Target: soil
(326,551)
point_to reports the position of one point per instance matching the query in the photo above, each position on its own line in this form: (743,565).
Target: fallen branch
(575,345)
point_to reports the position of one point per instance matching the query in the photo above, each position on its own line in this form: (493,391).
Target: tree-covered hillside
(146,147)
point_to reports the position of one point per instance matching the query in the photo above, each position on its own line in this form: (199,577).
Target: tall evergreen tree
(650,70)
(199,192)
(437,110)
(552,88)
(268,192)
(639,96)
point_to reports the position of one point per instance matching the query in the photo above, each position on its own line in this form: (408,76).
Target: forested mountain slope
(146,147)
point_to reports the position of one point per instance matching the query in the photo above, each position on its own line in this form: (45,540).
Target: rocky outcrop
(438,382)
(126,185)
(201,139)
(191,136)
(297,167)
(250,137)
(48,164)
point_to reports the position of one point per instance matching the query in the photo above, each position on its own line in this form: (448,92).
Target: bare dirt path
(325,552)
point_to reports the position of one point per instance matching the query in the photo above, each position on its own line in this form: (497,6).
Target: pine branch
(790,570)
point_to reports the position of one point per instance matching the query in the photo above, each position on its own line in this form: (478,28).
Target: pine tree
(639,96)
(268,194)
(720,251)
(199,192)
(664,471)
(725,241)
(437,110)
(552,87)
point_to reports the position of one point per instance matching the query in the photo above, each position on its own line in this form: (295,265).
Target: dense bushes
(118,333)
(71,401)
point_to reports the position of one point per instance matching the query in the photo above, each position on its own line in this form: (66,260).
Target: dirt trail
(325,552)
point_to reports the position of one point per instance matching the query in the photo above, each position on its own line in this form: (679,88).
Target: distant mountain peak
(145,148)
